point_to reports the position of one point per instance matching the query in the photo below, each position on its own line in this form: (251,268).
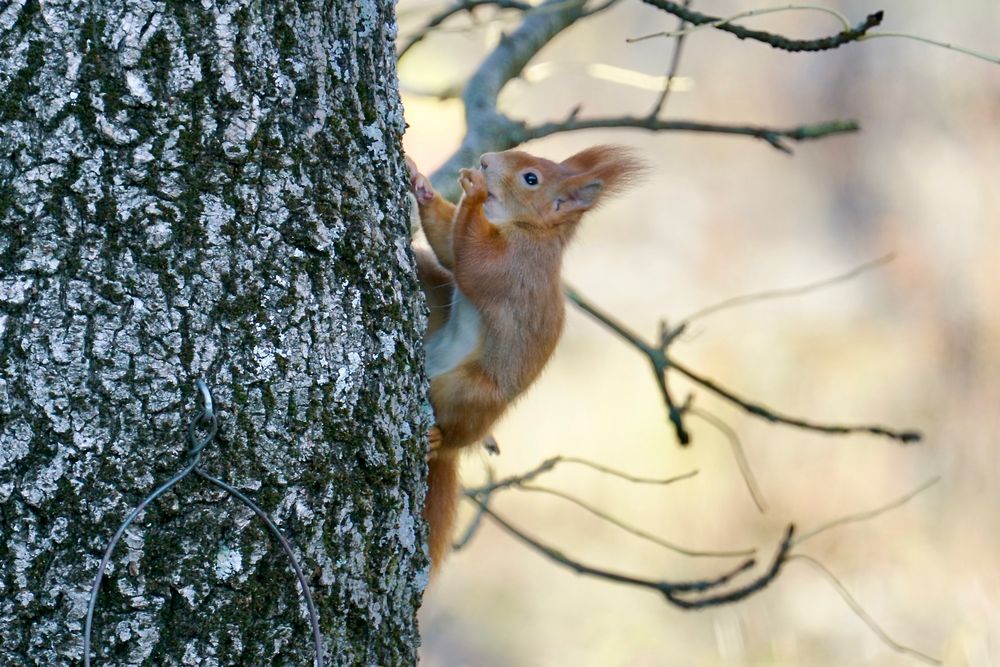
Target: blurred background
(914,344)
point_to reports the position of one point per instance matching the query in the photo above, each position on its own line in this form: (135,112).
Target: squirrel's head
(550,197)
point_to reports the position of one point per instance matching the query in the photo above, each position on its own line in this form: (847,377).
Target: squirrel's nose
(485,160)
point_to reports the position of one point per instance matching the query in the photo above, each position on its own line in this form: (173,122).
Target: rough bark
(206,189)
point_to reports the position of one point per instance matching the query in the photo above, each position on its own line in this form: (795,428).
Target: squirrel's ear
(601,172)
(578,198)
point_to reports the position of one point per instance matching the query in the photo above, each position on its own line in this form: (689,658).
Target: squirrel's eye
(531,178)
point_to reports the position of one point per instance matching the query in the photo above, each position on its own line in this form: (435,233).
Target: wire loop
(207,423)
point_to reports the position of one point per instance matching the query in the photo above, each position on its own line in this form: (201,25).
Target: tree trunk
(202,189)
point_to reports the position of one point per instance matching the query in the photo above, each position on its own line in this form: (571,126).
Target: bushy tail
(442,503)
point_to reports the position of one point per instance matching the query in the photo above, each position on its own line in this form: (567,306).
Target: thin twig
(786,292)
(674,592)
(675,61)
(683,31)
(777,41)
(630,478)
(484,494)
(514,480)
(862,614)
(768,414)
(662,364)
(772,135)
(457,8)
(982,55)
(638,532)
(738,454)
(869,514)
(550,464)
(477,518)
(632,338)
(675,413)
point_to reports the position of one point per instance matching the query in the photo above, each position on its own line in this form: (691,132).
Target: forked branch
(712,592)
(663,364)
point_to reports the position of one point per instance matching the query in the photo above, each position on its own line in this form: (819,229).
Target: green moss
(155,60)
(284,36)
(22,86)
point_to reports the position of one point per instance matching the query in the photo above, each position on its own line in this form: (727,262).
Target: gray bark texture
(207,189)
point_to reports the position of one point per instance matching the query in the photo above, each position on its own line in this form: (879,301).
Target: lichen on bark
(207,189)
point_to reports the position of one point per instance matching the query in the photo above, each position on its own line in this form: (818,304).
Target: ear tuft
(603,171)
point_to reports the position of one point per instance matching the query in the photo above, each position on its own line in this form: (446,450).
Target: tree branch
(662,364)
(771,135)
(633,530)
(674,592)
(768,414)
(777,41)
(741,458)
(675,63)
(860,612)
(487,129)
(451,10)
(867,515)
(786,292)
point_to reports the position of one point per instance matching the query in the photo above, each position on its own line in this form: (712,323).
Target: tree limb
(487,129)
(777,41)
(674,592)
(451,10)
(771,135)
(662,363)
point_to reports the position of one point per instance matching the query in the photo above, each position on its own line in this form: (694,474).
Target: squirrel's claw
(419,184)
(434,442)
(473,184)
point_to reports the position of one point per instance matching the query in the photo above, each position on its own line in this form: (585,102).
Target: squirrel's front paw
(473,184)
(419,185)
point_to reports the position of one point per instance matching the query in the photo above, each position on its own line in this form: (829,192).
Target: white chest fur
(456,340)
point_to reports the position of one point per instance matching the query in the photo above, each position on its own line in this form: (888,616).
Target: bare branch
(738,454)
(638,532)
(846,25)
(785,292)
(771,135)
(632,339)
(550,464)
(515,480)
(630,478)
(675,62)
(862,614)
(982,55)
(662,364)
(477,519)
(777,41)
(674,592)
(870,514)
(674,413)
(768,414)
(681,32)
(487,129)
(457,8)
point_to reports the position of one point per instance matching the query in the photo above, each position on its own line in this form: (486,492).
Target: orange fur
(502,247)
(441,503)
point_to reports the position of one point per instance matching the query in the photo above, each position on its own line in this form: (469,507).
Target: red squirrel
(495,295)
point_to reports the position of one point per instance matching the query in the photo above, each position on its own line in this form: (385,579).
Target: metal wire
(207,422)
